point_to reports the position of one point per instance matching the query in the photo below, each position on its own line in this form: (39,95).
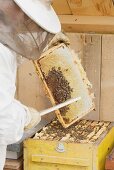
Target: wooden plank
(82,7)
(88,48)
(30,89)
(92,7)
(61,7)
(76,42)
(107,85)
(14,164)
(109,164)
(110,161)
(104,7)
(98,24)
(91,60)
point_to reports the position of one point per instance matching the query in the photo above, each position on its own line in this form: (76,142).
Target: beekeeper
(26,27)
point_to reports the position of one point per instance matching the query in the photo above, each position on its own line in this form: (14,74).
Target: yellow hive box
(93,140)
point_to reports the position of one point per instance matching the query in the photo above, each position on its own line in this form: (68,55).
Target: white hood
(41,12)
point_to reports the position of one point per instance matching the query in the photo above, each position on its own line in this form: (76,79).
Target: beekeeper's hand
(59,38)
(33,118)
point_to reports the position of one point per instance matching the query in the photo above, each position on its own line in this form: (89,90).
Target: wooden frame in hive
(63,62)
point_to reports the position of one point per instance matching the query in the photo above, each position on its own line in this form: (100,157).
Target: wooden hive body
(47,153)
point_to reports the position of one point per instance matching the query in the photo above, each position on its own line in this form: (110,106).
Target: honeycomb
(83,131)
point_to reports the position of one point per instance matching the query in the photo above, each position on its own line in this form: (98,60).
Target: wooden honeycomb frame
(62,56)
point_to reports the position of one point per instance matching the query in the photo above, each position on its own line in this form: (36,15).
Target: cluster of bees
(59,87)
(83,131)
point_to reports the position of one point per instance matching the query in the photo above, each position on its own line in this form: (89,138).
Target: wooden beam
(61,7)
(92,7)
(82,7)
(98,24)
(105,7)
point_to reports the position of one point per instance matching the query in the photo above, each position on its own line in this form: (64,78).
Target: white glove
(59,38)
(33,118)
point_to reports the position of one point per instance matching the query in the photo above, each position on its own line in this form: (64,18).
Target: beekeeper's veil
(31,35)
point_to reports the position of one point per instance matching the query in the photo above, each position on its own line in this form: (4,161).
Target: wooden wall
(84,7)
(30,89)
(107,78)
(88,46)
(86,15)
(97,55)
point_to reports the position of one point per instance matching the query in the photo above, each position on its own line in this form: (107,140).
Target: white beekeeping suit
(26,27)
(13,115)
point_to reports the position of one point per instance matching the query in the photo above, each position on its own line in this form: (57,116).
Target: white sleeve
(12,112)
